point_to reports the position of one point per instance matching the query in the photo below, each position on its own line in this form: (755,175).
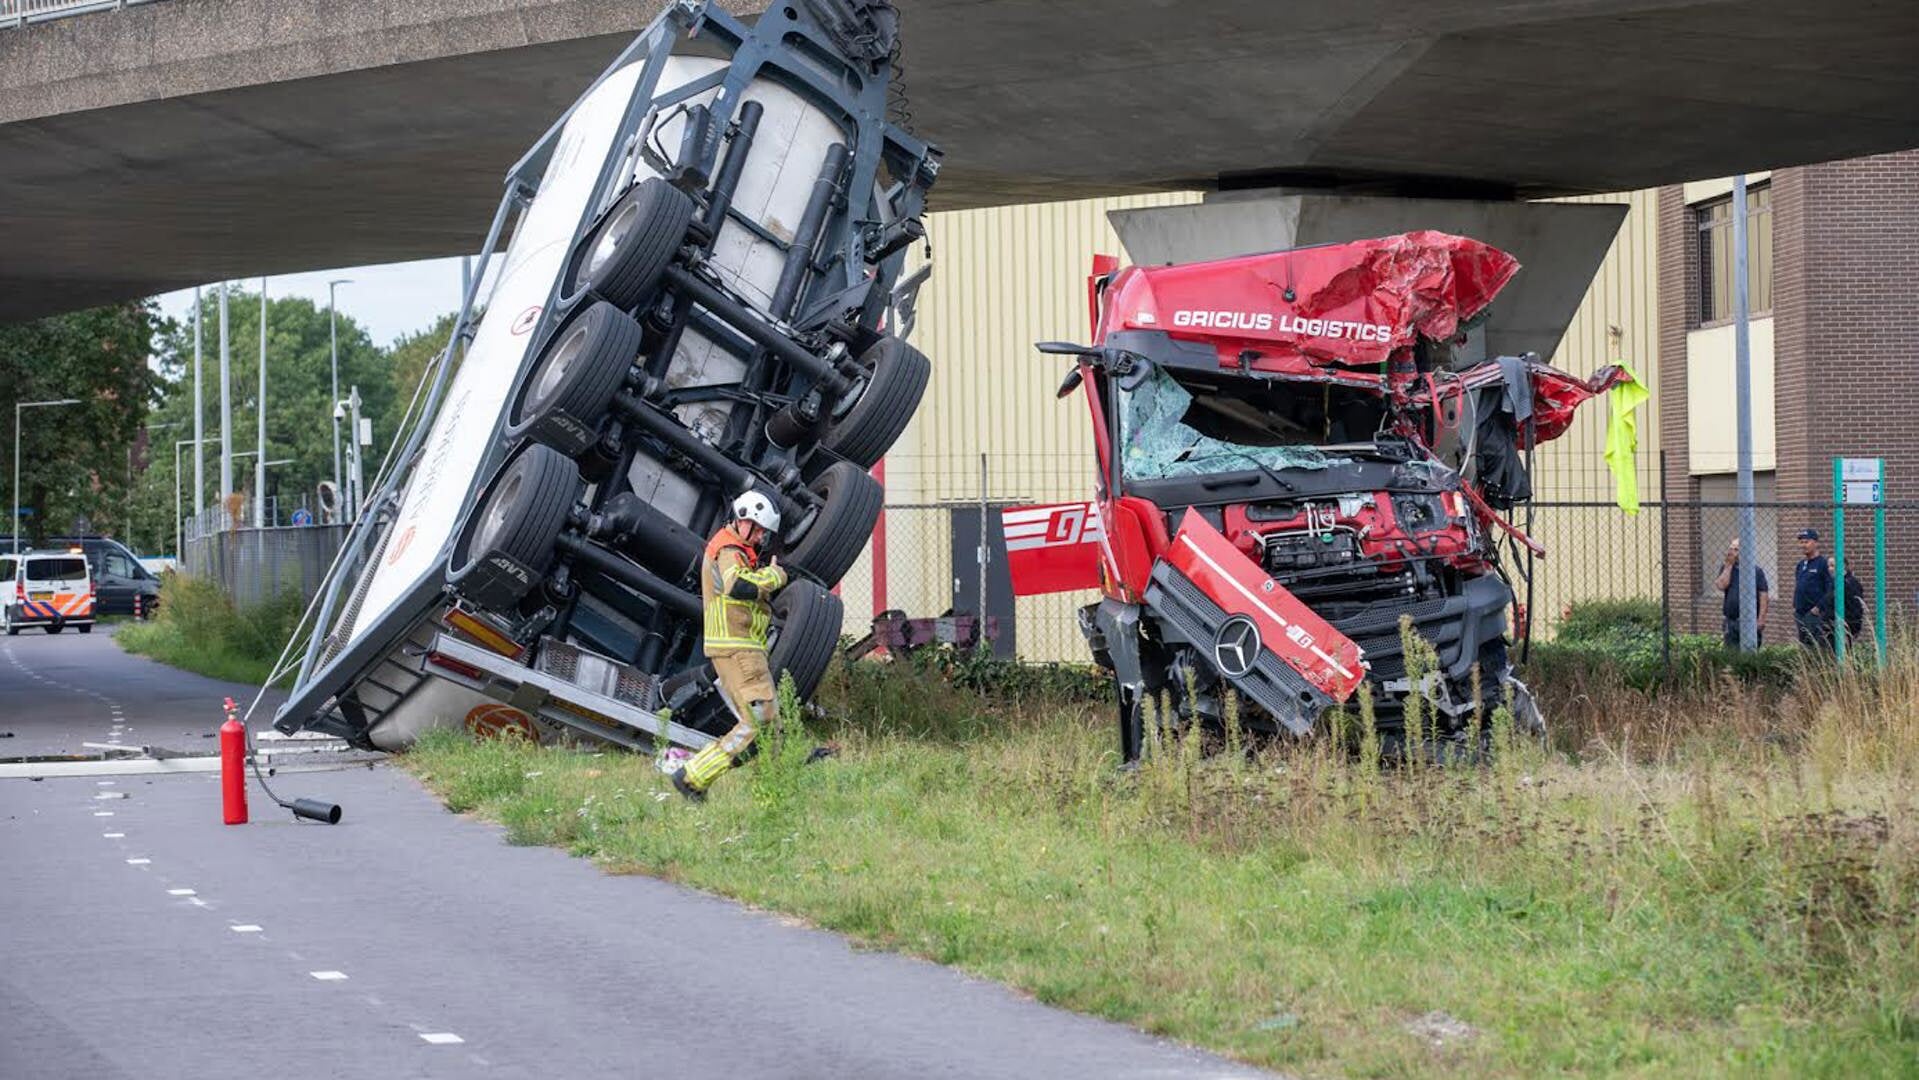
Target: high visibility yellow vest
(735,589)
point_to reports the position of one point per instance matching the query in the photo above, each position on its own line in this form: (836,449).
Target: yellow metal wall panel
(1597,551)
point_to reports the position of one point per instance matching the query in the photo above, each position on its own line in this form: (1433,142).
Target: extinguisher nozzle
(315,810)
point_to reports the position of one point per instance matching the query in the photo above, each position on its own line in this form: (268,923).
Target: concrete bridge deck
(193,140)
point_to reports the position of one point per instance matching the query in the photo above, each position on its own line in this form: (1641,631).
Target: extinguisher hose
(311,809)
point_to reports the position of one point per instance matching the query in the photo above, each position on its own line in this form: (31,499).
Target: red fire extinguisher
(233,756)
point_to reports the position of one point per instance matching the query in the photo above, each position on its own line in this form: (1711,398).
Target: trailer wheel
(572,385)
(506,545)
(897,374)
(623,258)
(836,535)
(805,636)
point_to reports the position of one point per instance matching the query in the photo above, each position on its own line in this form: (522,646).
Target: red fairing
(1351,304)
(1136,536)
(1557,395)
(1053,548)
(1326,658)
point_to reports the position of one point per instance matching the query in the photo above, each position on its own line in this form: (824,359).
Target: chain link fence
(926,557)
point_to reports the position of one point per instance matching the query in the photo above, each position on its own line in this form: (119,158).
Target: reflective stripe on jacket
(735,589)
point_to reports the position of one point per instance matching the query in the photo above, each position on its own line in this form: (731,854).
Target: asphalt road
(58,691)
(144,939)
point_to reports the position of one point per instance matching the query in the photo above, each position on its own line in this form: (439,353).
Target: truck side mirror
(1066,348)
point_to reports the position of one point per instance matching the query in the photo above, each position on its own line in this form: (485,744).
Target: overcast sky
(389,300)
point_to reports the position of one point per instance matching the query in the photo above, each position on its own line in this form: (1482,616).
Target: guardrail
(22,12)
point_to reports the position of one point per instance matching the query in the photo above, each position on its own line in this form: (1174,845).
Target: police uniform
(737,592)
(1812,601)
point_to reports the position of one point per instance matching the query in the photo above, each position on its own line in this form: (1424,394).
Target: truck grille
(1274,686)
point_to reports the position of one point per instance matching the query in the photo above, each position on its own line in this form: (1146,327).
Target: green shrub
(199,629)
(1619,641)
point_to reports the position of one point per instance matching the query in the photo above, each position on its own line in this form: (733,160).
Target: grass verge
(1746,910)
(199,630)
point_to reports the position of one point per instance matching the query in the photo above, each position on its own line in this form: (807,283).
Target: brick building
(1835,362)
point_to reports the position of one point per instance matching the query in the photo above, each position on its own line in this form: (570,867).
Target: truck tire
(832,541)
(896,380)
(506,546)
(623,257)
(806,635)
(85,628)
(571,387)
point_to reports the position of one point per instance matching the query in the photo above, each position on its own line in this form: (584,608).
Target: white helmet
(759,509)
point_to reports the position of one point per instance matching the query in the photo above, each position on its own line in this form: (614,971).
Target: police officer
(737,591)
(1728,583)
(1812,594)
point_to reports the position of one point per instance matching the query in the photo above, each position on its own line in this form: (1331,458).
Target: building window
(1716,256)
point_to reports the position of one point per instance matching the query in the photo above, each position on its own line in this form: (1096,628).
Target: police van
(48,589)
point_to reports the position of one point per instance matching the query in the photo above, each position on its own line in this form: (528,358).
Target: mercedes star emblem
(1236,646)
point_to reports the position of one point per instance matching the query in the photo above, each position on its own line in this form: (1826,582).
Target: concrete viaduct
(192,140)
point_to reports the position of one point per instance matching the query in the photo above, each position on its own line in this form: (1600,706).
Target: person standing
(738,594)
(1728,584)
(1812,594)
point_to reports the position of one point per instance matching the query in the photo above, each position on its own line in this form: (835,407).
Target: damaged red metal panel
(1351,304)
(1310,645)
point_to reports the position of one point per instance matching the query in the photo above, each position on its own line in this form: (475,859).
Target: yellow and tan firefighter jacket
(736,590)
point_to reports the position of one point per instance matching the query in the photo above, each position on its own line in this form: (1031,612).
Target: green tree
(413,353)
(76,461)
(299,395)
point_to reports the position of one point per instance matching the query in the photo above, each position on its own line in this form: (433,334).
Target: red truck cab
(1292,462)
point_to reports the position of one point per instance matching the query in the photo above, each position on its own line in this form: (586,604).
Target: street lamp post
(199,412)
(17,407)
(226,404)
(333,331)
(179,525)
(260,413)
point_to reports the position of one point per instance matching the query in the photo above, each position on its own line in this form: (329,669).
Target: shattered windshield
(1193,425)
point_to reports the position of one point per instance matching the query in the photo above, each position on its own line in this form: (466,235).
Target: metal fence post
(979,636)
(1665,571)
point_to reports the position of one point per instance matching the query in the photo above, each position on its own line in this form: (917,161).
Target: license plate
(40,596)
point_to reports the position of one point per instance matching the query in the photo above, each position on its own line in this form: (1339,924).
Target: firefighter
(737,591)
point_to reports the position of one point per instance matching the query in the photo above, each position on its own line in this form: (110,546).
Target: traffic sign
(1862,468)
(302,517)
(1864,493)
(1859,482)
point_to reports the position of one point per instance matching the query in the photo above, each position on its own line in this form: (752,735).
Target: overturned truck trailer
(1291,464)
(695,301)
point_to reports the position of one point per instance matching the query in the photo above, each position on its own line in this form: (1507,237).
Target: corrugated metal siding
(1600,552)
(1004,278)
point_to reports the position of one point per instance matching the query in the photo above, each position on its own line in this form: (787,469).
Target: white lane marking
(329,976)
(245,928)
(103,813)
(105,783)
(441,1038)
(181,892)
(113,835)
(138,862)
(110,795)
(196,901)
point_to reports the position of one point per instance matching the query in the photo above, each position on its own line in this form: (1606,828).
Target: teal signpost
(1859,482)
